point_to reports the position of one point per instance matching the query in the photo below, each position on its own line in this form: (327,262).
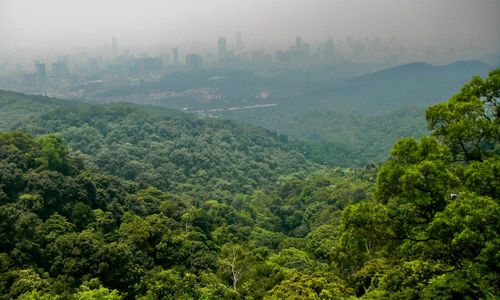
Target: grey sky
(70,23)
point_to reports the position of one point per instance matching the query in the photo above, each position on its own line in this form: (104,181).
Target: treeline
(424,225)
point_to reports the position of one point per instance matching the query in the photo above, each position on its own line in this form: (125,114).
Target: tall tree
(469,123)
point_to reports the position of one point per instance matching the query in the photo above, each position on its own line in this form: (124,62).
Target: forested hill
(16,108)
(164,148)
(456,71)
(415,84)
(357,122)
(425,225)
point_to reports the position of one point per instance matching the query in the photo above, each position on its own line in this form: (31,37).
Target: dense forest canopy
(16,108)
(170,150)
(76,224)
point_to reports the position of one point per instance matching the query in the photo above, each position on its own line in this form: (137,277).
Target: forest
(126,201)
(344,115)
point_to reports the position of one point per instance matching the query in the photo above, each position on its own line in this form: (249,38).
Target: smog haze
(62,24)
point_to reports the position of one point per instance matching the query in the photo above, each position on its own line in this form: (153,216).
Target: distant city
(76,74)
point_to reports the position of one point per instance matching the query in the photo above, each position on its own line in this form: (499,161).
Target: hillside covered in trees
(356,121)
(86,212)
(165,148)
(345,115)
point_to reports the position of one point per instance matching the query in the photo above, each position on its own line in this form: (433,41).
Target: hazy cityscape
(128,57)
(249,149)
(82,72)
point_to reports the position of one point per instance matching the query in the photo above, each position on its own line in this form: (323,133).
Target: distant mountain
(419,70)
(415,84)
(366,114)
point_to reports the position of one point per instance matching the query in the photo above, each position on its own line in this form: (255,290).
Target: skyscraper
(114,46)
(194,61)
(239,42)
(326,51)
(222,49)
(93,68)
(298,42)
(175,56)
(301,51)
(41,74)
(60,68)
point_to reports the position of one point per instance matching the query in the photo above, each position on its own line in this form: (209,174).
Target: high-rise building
(41,74)
(298,42)
(222,49)
(60,68)
(194,61)
(93,68)
(114,46)
(326,51)
(299,53)
(175,56)
(330,49)
(148,65)
(167,60)
(239,42)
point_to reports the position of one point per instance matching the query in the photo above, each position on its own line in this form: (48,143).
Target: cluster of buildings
(73,75)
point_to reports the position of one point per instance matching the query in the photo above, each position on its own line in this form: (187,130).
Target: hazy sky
(90,23)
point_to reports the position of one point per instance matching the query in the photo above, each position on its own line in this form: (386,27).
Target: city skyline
(56,24)
(227,49)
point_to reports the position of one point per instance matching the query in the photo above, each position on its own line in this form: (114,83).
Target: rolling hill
(415,84)
(161,147)
(365,114)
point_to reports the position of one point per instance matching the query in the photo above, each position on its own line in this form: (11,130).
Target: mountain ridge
(166,148)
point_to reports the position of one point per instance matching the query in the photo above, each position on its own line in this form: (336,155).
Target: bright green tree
(469,123)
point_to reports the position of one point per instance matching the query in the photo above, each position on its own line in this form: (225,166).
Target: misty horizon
(58,25)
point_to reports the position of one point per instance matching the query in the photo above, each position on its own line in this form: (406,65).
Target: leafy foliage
(423,225)
(469,124)
(169,150)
